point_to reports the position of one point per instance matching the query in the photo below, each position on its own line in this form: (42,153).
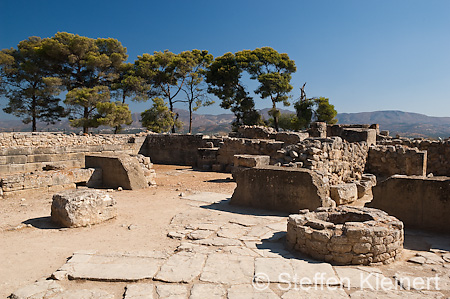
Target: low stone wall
(176,149)
(387,160)
(346,235)
(338,160)
(240,146)
(48,181)
(419,202)
(28,152)
(354,133)
(438,152)
(280,189)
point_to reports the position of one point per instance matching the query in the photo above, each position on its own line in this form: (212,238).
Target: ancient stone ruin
(346,235)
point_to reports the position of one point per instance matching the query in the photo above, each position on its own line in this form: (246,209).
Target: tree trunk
(33,115)
(275,116)
(190,117)
(86,116)
(171,110)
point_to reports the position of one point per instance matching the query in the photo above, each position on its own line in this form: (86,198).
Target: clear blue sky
(363,55)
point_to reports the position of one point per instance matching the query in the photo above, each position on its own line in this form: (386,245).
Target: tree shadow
(42,223)
(225,206)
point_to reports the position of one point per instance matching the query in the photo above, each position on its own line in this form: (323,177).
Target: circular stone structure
(346,235)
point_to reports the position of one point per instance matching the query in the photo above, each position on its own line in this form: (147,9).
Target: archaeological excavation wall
(419,202)
(27,152)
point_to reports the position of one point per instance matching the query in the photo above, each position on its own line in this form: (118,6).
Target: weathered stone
(139,291)
(171,291)
(251,160)
(181,267)
(246,291)
(280,189)
(344,193)
(210,291)
(228,269)
(118,171)
(113,267)
(273,270)
(316,293)
(82,207)
(39,289)
(84,293)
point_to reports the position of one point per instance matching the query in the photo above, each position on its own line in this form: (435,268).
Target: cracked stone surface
(228,269)
(181,267)
(221,252)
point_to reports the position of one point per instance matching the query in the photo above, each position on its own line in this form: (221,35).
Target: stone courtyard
(183,239)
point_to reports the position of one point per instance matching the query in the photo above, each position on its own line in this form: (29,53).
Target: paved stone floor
(232,252)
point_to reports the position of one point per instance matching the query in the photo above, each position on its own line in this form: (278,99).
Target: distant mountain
(397,122)
(406,124)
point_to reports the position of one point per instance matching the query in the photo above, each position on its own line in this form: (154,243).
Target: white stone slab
(181,267)
(208,197)
(247,291)
(207,290)
(228,269)
(139,291)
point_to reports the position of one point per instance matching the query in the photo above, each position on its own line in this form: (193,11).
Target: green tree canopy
(223,77)
(273,71)
(113,115)
(82,103)
(159,118)
(196,95)
(166,73)
(29,85)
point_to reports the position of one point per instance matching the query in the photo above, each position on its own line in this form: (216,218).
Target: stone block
(280,189)
(82,207)
(118,171)
(251,160)
(419,202)
(22,159)
(344,193)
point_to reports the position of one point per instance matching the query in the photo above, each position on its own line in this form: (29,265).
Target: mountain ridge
(409,124)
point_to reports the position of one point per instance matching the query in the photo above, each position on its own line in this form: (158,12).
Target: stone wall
(354,133)
(238,146)
(338,160)
(387,160)
(438,152)
(28,152)
(280,189)
(48,181)
(419,202)
(176,149)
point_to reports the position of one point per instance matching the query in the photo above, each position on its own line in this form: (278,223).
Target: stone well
(346,235)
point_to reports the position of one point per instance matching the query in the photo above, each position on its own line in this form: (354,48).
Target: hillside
(397,122)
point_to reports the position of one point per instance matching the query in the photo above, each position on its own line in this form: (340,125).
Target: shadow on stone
(219,181)
(42,223)
(225,206)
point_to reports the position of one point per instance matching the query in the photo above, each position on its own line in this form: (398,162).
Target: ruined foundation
(346,235)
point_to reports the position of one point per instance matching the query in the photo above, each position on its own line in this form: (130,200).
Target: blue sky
(362,55)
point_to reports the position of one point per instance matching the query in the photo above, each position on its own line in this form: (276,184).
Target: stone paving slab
(364,294)
(113,267)
(139,291)
(273,270)
(172,291)
(210,291)
(85,294)
(181,267)
(312,272)
(228,269)
(39,289)
(363,278)
(316,293)
(247,291)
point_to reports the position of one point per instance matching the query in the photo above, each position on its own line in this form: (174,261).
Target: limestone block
(118,171)
(251,160)
(344,193)
(77,208)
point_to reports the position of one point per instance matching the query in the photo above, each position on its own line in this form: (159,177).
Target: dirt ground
(32,248)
